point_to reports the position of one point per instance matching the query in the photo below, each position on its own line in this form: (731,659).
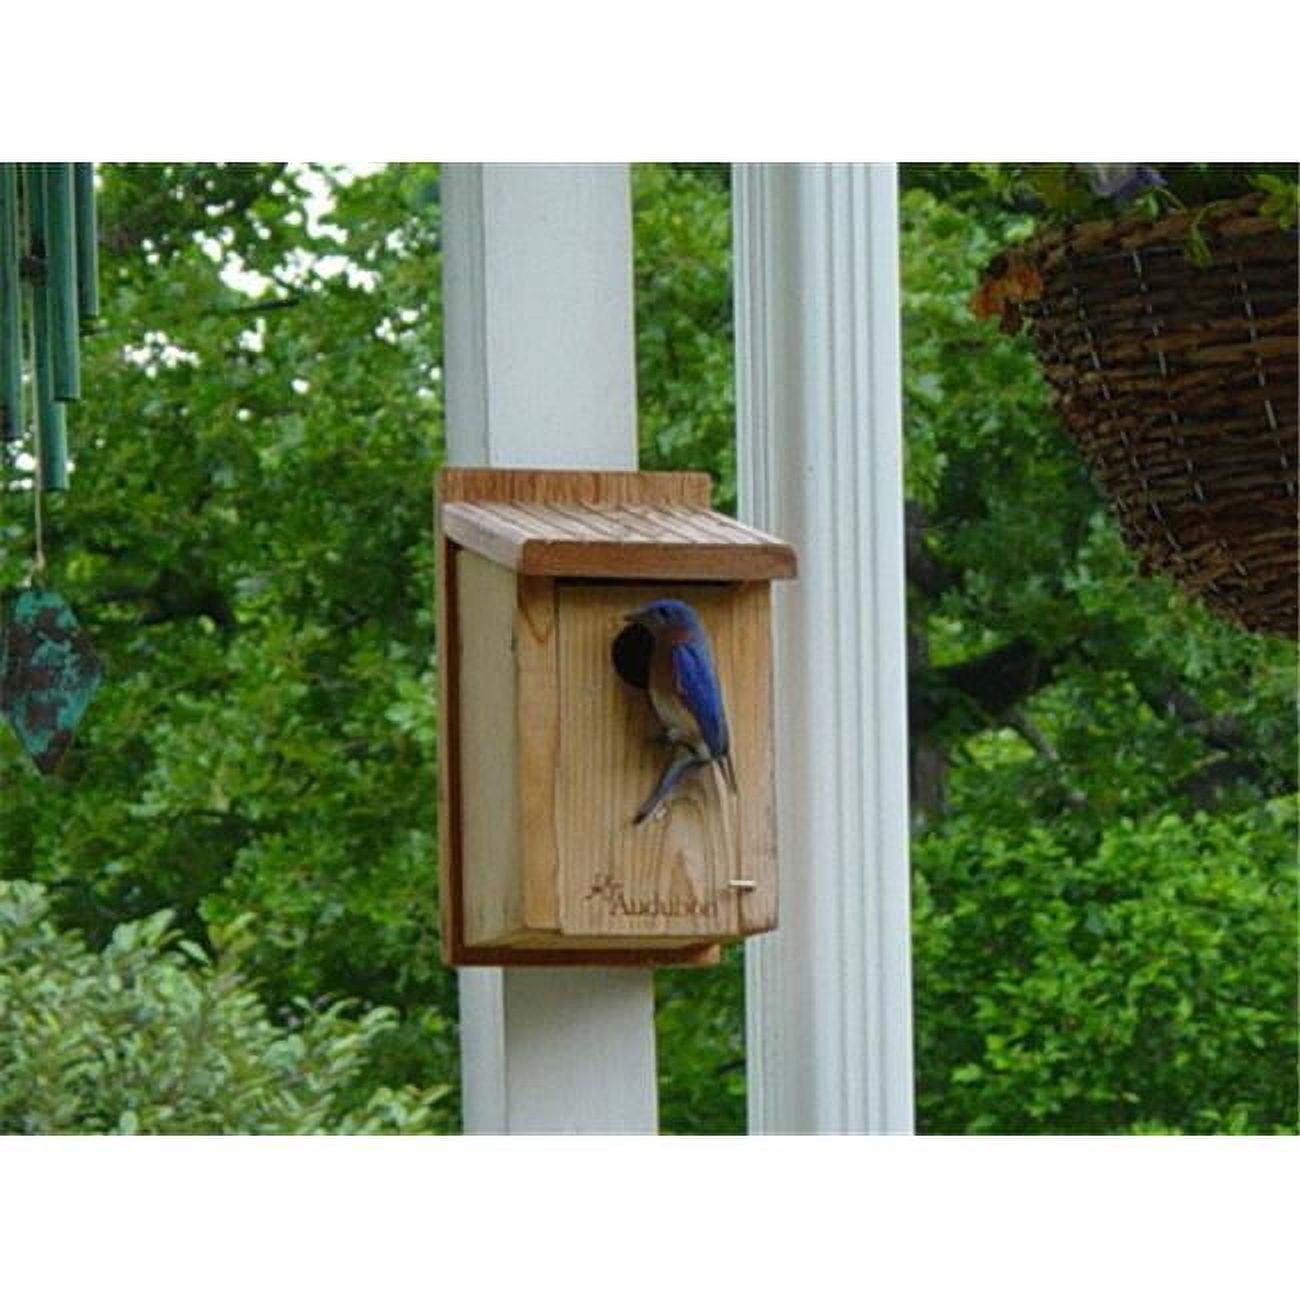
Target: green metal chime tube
(61,280)
(87,245)
(51,429)
(48,258)
(11,338)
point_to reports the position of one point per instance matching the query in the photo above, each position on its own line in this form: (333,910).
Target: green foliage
(700,1022)
(150,1035)
(1144,981)
(685,385)
(1281,196)
(1061,191)
(248,542)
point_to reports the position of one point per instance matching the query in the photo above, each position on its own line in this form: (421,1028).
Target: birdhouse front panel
(606,760)
(703,864)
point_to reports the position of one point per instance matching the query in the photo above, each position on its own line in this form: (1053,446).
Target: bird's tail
(677,768)
(729,771)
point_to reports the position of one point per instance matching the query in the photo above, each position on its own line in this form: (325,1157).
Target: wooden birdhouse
(548,737)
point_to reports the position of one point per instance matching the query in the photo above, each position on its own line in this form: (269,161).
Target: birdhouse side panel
(755,767)
(488,730)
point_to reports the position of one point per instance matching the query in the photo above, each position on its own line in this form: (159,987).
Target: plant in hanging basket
(1170,343)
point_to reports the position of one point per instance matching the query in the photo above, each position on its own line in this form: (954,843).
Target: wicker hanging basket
(1179,382)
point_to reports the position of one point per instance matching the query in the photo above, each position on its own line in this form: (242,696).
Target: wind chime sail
(48,265)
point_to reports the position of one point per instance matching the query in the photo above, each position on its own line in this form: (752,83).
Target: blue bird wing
(697,688)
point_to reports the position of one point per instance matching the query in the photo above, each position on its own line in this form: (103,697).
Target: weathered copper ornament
(49,672)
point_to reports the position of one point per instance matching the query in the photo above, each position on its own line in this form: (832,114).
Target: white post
(540,371)
(820,463)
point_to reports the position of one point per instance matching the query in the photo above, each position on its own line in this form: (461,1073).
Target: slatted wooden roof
(635,526)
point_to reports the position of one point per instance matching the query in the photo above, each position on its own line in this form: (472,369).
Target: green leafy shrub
(700,1017)
(1141,982)
(150,1035)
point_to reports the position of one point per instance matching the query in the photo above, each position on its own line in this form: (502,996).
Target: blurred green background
(220,915)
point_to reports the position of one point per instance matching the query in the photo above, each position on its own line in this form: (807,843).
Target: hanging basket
(1178,380)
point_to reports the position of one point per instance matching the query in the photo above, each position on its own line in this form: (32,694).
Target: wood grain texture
(750,714)
(489,716)
(447,600)
(517,954)
(673,875)
(589,541)
(608,487)
(538,728)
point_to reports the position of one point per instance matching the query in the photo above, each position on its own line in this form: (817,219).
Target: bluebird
(685,696)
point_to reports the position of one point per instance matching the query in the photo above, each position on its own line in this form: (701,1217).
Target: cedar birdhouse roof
(662,528)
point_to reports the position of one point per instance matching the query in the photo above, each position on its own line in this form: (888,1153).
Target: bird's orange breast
(668,704)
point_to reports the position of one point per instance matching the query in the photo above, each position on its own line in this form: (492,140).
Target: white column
(820,463)
(540,371)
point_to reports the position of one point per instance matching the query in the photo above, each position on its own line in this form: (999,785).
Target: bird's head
(665,616)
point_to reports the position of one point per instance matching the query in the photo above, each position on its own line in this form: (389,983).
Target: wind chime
(48,297)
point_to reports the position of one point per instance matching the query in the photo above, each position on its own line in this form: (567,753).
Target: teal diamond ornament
(49,672)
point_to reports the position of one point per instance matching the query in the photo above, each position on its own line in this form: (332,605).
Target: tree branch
(1025,728)
(257,308)
(993,683)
